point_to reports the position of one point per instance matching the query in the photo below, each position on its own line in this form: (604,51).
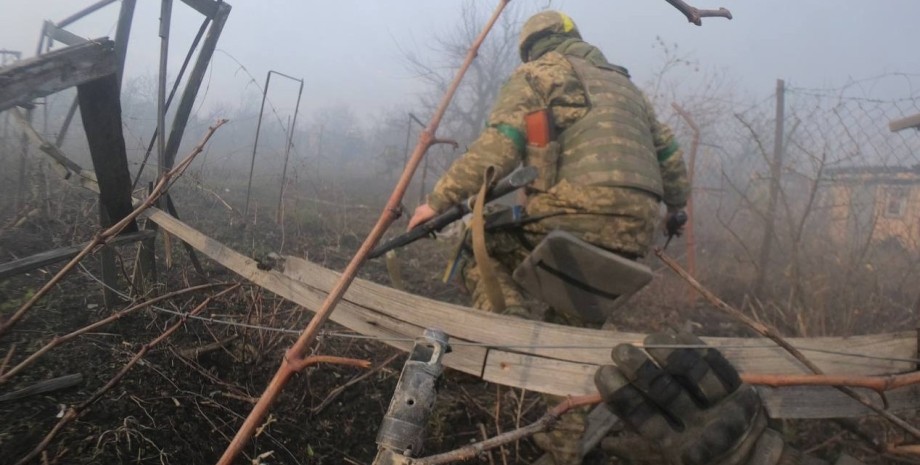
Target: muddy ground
(187,397)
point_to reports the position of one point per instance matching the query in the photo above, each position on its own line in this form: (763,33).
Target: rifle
(517,179)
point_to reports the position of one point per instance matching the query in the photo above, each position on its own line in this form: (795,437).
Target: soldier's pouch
(546,160)
(574,276)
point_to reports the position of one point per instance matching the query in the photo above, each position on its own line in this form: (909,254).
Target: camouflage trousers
(507,249)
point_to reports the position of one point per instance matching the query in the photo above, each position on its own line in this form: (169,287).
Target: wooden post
(194,82)
(776,171)
(100,108)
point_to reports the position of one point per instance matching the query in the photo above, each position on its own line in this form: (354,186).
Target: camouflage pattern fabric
(551,80)
(620,219)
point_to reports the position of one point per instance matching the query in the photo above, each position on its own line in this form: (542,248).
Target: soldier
(605,164)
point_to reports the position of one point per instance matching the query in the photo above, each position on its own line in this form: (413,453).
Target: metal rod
(62,134)
(80,14)
(255,144)
(287,149)
(172,93)
(123,34)
(165,15)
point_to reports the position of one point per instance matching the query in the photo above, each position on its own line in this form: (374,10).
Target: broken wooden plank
(100,108)
(68,166)
(46,74)
(559,374)
(205,7)
(41,387)
(49,257)
(62,35)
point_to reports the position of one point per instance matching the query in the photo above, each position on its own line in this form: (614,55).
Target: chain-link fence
(821,234)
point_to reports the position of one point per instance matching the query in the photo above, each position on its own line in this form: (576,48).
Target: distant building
(878,204)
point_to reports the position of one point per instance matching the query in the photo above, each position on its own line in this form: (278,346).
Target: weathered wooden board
(49,257)
(528,366)
(46,74)
(100,108)
(593,346)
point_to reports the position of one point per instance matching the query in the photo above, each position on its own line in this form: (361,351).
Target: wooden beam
(900,124)
(49,257)
(205,7)
(65,165)
(551,358)
(195,77)
(100,108)
(46,74)
(62,35)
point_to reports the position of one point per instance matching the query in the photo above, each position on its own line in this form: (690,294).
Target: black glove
(689,403)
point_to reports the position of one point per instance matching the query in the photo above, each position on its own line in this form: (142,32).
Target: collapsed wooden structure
(525,354)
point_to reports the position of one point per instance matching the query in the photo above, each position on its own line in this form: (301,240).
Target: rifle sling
(480,252)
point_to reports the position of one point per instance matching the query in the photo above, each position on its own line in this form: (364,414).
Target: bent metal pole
(294,358)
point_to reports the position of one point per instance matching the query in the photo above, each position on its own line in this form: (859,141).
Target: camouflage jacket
(550,82)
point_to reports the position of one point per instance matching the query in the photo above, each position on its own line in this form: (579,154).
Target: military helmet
(543,24)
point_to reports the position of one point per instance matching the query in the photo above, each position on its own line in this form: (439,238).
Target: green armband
(666,152)
(509,131)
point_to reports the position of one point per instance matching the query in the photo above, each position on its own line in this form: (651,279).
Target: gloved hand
(690,404)
(674,222)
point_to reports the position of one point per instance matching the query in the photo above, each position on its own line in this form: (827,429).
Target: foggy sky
(349,50)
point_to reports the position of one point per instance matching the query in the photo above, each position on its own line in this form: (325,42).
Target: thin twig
(544,423)
(357,379)
(104,236)
(768,332)
(74,412)
(56,341)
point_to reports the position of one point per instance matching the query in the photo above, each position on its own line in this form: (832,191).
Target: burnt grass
(179,406)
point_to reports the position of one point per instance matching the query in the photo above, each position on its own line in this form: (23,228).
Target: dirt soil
(186,398)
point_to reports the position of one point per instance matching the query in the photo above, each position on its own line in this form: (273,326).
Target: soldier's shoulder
(551,63)
(548,73)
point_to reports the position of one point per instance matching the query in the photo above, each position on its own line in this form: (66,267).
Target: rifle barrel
(517,179)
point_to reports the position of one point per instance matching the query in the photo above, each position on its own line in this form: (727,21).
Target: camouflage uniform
(614,169)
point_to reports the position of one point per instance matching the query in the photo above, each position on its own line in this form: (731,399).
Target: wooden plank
(49,257)
(100,108)
(68,165)
(62,35)
(535,371)
(46,74)
(593,346)
(205,7)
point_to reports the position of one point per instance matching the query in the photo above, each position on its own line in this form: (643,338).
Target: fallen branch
(391,211)
(771,334)
(695,15)
(357,379)
(73,413)
(57,341)
(105,236)
(543,424)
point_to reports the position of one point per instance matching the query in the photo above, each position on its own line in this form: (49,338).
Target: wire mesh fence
(837,206)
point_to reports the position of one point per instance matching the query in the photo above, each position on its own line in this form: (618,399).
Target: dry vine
(294,358)
(74,412)
(106,235)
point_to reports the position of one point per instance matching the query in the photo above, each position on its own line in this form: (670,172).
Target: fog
(849,69)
